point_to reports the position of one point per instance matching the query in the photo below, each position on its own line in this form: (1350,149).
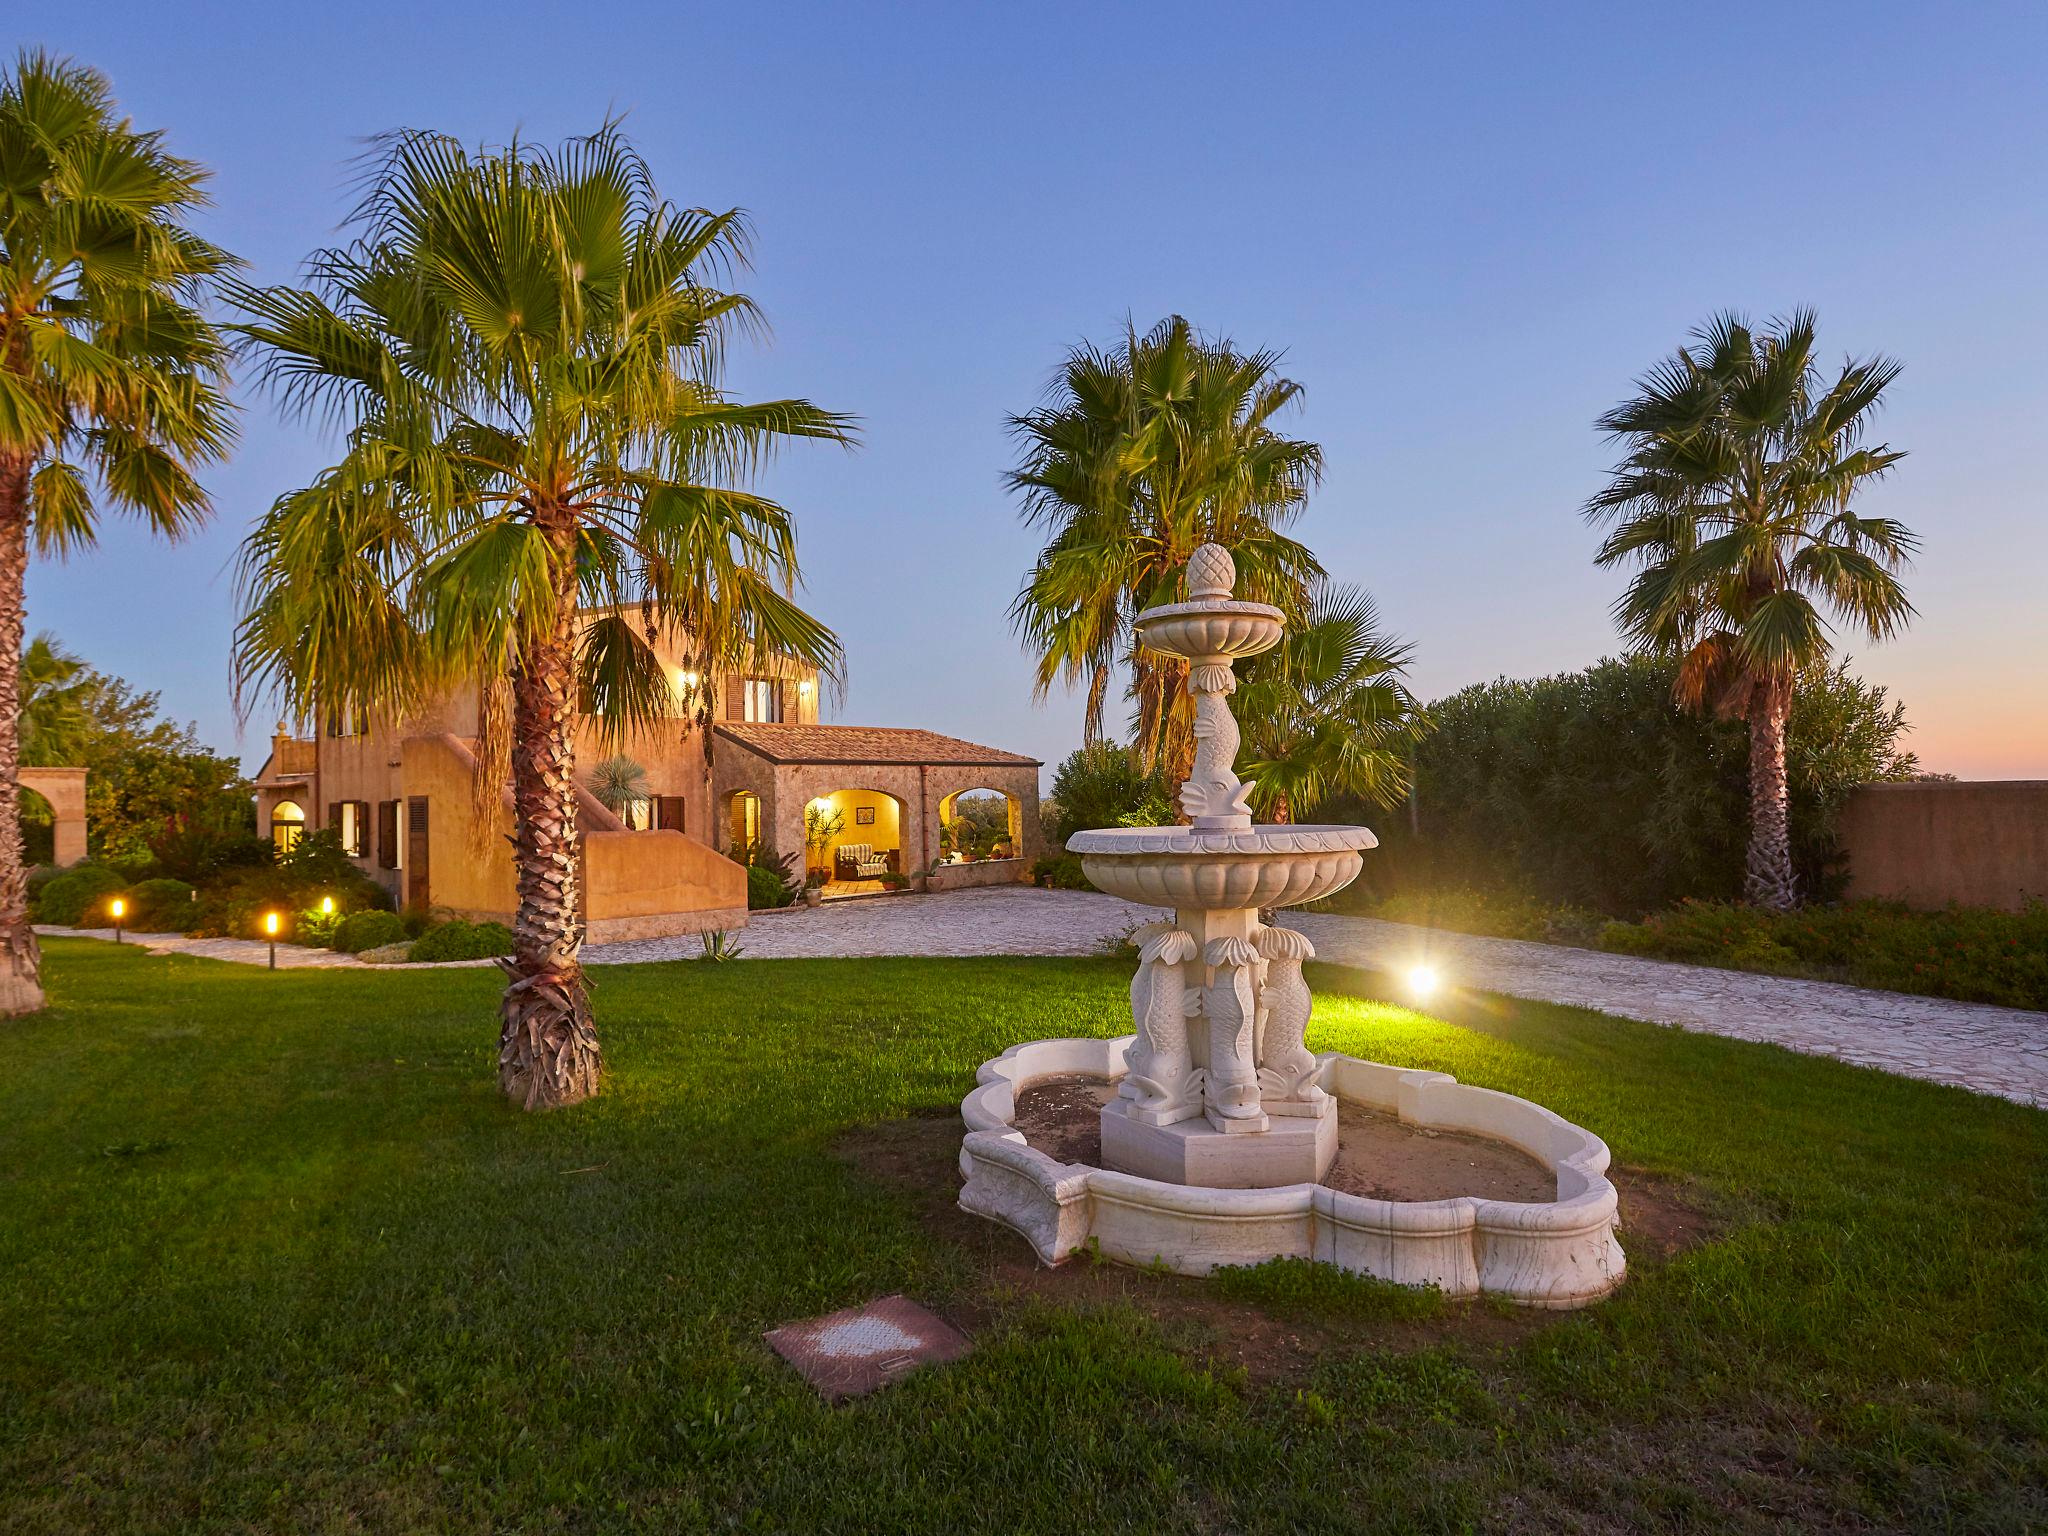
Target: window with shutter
(387,834)
(416,880)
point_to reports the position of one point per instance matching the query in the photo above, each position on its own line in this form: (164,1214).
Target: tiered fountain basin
(1198,869)
(1559,1253)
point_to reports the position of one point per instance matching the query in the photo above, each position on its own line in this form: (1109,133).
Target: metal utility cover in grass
(846,1354)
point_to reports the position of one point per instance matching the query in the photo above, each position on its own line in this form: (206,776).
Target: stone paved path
(290,957)
(1971,1045)
(1992,1050)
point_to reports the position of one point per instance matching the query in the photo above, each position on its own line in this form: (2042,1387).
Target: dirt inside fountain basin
(916,1157)
(1378,1156)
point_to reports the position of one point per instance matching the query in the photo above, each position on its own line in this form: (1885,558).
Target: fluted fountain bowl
(1206,869)
(1211,628)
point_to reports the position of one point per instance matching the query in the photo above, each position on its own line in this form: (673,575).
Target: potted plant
(814,887)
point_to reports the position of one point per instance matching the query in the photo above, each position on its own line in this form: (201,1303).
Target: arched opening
(287,825)
(977,825)
(743,823)
(38,829)
(853,842)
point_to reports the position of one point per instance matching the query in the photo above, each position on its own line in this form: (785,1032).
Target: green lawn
(274,1257)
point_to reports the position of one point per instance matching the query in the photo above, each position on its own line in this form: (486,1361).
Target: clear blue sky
(1468,228)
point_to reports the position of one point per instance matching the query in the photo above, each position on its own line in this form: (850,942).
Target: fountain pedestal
(1221,1090)
(1296,1150)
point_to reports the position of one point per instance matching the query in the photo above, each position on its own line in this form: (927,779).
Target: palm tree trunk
(1770,882)
(547,1053)
(21,988)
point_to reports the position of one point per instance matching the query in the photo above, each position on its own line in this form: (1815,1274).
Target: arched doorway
(38,829)
(743,823)
(853,841)
(287,825)
(978,825)
(60,798)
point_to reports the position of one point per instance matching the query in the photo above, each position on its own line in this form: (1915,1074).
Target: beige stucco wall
(1975,844)
(635,884)
(370,767)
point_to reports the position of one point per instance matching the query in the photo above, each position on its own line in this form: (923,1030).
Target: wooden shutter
(387,834)
(334,817)
(668,814)
(362,849)
(735,698)
(416,886)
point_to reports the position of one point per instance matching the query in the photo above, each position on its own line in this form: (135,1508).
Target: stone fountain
(1222,1125)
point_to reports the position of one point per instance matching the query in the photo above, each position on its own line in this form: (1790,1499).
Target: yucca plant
(617,782)
(112,380)
(1736,504)
(524,347)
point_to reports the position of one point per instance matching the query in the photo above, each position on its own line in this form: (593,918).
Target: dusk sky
(1467,230)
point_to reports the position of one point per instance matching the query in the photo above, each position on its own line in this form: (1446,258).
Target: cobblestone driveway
(1993,1050)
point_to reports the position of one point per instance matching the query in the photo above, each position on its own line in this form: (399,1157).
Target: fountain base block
(1294,1149)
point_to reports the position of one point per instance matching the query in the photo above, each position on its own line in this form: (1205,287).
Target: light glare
(1422,981)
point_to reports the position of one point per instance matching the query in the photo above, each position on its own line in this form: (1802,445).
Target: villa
(399,796)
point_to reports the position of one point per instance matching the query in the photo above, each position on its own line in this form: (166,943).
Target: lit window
(287,825)
(352,825)
(763,700)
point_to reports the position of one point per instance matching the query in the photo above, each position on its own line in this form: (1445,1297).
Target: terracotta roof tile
(865,744)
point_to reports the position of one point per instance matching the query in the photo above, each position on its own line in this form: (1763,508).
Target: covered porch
(863,810)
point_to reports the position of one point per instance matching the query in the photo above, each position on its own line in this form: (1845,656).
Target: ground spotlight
(1423,982)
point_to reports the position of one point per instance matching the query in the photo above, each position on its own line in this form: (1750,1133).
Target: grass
(274,1257)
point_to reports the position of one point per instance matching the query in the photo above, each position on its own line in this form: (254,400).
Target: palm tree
(1142,454)
(112,381)
(1327,711)
(1735,502)
(57,692)
(524,347)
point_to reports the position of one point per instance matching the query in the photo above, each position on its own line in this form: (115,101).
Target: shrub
(203,847)
(316,928)
(460,940)
(1060,872)
(1499,914)
(76,894)
(160,905)
(1970,953)
(1103,786)
(1594,789)
(768,887)
(359,931)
